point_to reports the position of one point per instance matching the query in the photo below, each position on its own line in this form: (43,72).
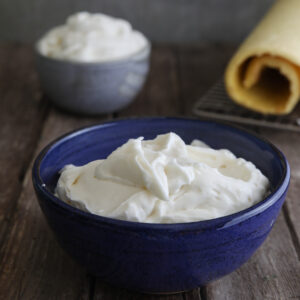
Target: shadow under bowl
(159,258)
(93,88)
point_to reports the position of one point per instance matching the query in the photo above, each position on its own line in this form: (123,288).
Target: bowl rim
(222,222)
(119,61)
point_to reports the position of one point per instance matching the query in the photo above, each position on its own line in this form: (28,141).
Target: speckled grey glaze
(93,88)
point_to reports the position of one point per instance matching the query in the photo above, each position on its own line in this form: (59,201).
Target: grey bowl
(93,88)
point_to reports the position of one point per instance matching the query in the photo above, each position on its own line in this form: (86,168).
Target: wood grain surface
(32,264)
(21,119)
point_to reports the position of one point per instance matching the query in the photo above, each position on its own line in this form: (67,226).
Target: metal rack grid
(217,105)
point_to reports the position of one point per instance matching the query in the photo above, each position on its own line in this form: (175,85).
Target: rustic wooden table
(33,266)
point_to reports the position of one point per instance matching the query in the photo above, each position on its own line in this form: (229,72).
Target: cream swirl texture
(87,37)
(163,181)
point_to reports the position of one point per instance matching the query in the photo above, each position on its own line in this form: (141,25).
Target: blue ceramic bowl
(96,87)
(159,258)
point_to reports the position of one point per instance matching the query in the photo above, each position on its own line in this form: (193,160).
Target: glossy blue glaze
(159,257)
(93,87)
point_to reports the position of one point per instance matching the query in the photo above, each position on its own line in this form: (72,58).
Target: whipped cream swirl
(90,37)
(163,181)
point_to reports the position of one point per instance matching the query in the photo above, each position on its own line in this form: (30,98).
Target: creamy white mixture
(163,181)
(92,38)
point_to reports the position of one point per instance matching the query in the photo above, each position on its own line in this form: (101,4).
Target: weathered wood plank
(195,294)
(272,273)
(160,95)
(199,68)
(33,266)
(106,292)
(289,144)
(111,293)
(21,119)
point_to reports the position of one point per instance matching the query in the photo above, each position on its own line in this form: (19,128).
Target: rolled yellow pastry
(264,74)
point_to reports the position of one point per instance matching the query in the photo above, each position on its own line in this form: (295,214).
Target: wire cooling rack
(217,105)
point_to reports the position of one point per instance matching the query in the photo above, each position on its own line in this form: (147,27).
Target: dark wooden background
(32,265)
